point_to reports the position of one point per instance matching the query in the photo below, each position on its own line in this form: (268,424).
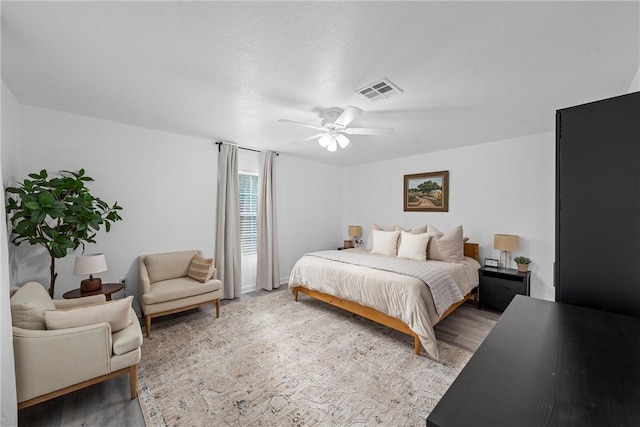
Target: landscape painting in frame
(427,192)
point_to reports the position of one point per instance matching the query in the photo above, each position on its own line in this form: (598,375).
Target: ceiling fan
(335,125)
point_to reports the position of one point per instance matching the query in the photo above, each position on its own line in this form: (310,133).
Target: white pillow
(413,246)
(385,242)
(447,246)
(115,312)
(374,226)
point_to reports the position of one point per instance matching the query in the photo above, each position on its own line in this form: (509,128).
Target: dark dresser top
(549,364)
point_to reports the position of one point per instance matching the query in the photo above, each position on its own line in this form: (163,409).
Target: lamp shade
(355,230)
(505,242)
(90,264)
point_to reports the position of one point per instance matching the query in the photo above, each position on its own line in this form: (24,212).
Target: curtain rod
(219,144)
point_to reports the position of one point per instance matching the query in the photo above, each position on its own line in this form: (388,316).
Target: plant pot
(523,268)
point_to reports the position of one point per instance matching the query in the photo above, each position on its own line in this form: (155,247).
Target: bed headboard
(471,250)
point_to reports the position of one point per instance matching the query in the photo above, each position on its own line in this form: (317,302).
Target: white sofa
(166,288)
(50,363)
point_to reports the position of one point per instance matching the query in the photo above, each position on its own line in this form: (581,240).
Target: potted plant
(58,213)
(523,263)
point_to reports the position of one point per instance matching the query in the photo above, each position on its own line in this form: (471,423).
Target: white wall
(635,85)
(309,208)
(166,184)
(499,187)
(8,148)
(10,152)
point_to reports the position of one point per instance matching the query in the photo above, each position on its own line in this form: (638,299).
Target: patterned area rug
(269,361)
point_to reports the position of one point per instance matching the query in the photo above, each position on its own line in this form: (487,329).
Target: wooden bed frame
(470,250)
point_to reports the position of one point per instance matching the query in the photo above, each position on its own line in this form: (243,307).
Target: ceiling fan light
(333,145)
(343,141)
(325,140)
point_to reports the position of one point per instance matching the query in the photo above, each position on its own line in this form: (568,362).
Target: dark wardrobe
(598,205)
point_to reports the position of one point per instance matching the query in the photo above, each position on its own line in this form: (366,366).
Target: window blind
(248,193)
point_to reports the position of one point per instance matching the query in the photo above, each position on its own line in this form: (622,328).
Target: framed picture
(427,192)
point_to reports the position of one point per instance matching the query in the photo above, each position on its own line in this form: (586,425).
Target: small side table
(106,290)
(498,286)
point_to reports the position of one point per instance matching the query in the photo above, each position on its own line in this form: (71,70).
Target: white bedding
(406,298)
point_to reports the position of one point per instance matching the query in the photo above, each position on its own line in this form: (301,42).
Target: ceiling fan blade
(369,131)
(316,127)
(309,138)
(348,115)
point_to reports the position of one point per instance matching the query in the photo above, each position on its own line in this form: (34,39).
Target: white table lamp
(90,264)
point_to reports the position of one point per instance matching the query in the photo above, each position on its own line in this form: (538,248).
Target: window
(248,189)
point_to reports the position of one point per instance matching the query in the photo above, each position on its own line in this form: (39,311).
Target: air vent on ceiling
(378,90)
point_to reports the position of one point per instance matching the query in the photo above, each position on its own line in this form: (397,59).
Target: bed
(387,295)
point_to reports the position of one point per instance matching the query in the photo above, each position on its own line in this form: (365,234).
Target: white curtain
(268,273)
(228,257)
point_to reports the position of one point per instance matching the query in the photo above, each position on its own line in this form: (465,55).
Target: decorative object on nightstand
(523,263)
(498,286)
(490,262)
(505,243)
(355,231)
(90,264)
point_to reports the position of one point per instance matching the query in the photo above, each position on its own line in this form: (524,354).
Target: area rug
(271,361)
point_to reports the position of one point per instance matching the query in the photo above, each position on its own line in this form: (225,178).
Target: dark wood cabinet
(498,286)
(598,205)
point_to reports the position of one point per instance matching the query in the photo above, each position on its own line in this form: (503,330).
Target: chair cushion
(115,312)
(174,289)
(201,269)
(129,338)
(169,265)
(28,304)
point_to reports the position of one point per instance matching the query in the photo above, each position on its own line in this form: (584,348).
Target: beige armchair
(53,362)
(167,285)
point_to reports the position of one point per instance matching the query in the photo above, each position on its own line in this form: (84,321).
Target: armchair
(167,284)
(53,362)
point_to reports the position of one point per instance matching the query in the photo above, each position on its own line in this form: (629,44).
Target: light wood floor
(109,403)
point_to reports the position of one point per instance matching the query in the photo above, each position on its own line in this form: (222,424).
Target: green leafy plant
(522,260)
(58,213)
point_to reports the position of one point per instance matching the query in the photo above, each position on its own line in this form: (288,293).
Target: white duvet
(403,297)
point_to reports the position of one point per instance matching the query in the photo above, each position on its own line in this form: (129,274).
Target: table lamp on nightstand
(505,243)
(90,264)
(355,231)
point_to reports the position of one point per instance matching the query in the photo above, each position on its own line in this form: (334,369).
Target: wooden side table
(106,290)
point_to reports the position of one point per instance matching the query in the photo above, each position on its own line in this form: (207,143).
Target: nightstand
(498,286)
(107,289)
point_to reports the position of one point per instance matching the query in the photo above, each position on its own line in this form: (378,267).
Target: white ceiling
(471,72)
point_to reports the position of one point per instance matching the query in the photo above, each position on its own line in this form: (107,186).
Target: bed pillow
(447,246)
(374,226)
(385,242)
(413,246)
(201,269)
(418,230)
(115,312)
